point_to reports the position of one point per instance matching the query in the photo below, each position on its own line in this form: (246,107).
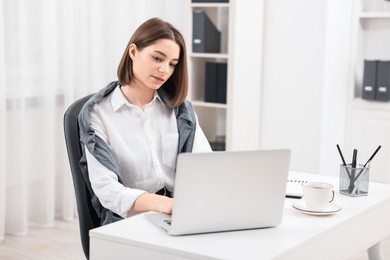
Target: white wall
(294,46)
(339,48)
(244,70)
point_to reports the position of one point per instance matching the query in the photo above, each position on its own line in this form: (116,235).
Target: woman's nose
(164,68)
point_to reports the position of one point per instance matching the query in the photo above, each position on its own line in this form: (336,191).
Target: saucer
(330,209)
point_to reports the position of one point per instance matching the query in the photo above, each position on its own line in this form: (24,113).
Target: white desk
(360,225)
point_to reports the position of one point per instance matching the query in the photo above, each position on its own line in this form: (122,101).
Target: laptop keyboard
(168,221)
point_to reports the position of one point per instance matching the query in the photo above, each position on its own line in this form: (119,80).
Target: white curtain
(53,52)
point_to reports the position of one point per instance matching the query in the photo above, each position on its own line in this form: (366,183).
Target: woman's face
(153,65)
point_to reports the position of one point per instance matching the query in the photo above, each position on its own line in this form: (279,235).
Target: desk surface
(362,222)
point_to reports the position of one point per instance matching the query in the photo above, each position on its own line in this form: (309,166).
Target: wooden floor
(60,242)
(63,242)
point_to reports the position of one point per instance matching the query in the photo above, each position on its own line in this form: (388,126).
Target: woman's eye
(158,59)
(173,65)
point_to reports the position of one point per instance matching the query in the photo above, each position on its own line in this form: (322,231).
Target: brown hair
(147,33)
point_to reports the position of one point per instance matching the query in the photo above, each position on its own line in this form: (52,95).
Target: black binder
(369,79)
(206,37)
(211,84)
(215,82)
(383,81)
(221,82)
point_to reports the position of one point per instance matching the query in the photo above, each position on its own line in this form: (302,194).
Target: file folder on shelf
(206,37)
(211,82)
(369,79)
(215,82)
(221,83)
(383,81)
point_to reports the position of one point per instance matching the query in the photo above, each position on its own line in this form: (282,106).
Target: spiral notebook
(294,188)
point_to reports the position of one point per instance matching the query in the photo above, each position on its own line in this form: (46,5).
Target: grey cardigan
(186,124)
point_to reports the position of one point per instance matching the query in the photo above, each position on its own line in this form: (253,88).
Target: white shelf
(360,103)
(208,104)
(210,55)
(206,5)
(374,15)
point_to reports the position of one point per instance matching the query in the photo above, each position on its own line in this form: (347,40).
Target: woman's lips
(158,79)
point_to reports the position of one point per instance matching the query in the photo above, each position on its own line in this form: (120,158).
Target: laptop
(226,191)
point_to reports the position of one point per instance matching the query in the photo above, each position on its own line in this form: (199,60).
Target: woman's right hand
(152,202)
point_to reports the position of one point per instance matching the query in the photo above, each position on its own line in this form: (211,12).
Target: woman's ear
(132,50)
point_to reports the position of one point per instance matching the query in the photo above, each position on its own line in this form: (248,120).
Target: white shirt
(145,144)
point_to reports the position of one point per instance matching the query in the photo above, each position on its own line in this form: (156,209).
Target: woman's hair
(147,34)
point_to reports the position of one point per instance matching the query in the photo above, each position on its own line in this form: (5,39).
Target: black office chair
(88,219)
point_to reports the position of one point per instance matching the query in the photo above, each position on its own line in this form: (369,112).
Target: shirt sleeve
(111,194)
(201,144)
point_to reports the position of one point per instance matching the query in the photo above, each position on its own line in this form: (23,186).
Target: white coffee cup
(317,195)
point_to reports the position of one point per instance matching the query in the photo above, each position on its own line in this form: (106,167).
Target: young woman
(134,128)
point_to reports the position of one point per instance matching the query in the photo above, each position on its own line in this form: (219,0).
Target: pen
(353,168)
(354,158)
(343,160)
(341,154)
(372,156)
(368,162)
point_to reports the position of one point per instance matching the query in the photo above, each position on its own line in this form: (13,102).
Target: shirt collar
(118,99)
(157,96)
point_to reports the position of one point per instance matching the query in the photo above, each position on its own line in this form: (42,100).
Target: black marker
(354,156)
(369,160)
(341,154)
(372,156)
(342,158)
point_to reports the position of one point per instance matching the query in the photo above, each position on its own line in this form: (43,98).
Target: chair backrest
(88,219)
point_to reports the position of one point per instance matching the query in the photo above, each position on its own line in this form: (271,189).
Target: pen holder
(354,181)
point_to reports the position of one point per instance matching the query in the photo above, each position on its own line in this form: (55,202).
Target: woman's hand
(152,202)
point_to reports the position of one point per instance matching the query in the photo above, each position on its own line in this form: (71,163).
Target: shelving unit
(373,39)
(369,121)
(212,116)
(241,27)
